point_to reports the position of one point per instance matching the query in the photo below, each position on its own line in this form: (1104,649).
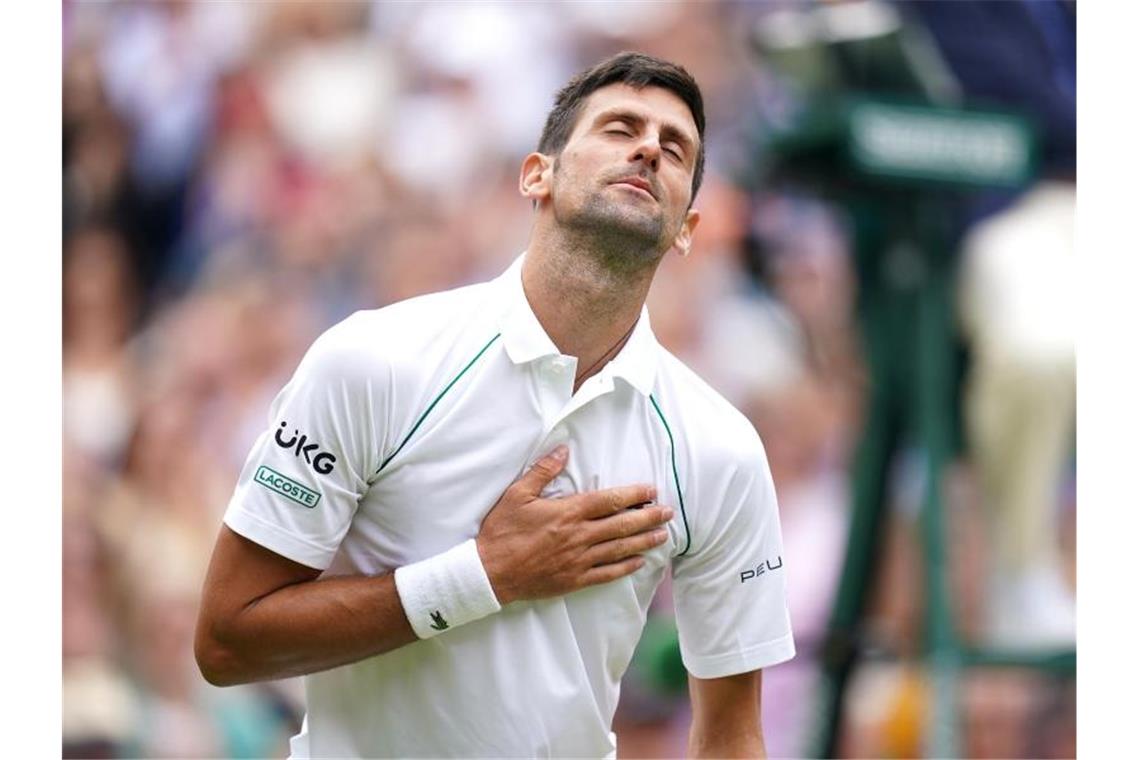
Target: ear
(535,177)
(683,243)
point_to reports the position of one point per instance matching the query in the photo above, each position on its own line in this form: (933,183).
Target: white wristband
(446,591)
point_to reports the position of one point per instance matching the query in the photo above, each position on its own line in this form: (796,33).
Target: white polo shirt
(401,429)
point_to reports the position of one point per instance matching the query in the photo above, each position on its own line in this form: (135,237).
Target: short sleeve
(729,591)
(307,471)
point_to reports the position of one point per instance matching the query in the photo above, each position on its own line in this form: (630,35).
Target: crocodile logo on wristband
(438,622)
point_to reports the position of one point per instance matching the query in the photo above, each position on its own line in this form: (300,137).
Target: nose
(648,151)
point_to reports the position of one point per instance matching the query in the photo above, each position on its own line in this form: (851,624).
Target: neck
(586,302)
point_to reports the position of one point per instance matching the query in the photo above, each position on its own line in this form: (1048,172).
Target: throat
(596,367)
(587,314)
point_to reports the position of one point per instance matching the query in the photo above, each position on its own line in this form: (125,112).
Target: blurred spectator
(99,312)
(1018,312)
(98,709)
(1016,308)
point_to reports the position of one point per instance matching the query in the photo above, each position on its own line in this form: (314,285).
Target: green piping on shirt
(433,403)
(676,478)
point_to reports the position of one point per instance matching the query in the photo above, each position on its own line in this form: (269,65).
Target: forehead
(654,104)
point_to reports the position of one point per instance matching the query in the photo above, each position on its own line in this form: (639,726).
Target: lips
(639,183)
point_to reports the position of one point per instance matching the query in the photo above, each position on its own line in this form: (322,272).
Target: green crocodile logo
(438,622)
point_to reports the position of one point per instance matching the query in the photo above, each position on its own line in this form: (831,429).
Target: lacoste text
(288,488)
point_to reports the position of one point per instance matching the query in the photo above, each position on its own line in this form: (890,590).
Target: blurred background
(881,281)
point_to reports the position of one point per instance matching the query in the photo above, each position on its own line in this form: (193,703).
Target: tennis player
(463,503)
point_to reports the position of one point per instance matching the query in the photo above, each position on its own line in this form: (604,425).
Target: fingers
(542,472)
(619,549)
(607,573)
(609,501)
(627,523)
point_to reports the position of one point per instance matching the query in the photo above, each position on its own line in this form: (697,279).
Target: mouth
(638,184)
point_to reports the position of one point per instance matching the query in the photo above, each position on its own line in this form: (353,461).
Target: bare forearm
(305,628)
(726,716)
(726,743)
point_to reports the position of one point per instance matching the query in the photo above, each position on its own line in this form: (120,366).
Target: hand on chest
(442,485)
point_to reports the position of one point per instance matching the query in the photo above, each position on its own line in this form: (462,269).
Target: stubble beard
(619,235)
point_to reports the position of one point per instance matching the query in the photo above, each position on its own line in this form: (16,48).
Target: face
(627,170)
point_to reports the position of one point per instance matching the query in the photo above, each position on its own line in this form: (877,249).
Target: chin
(625,221)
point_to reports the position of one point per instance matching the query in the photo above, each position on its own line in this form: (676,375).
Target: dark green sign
(939,144)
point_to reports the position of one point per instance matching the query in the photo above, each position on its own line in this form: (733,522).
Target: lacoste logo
(287,487)
(760,569)
(438,622)
(323,462)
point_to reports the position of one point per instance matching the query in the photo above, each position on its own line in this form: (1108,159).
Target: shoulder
(373,343)
(714,433)
(721,466)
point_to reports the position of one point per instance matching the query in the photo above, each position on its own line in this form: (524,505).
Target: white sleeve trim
(274,538)
(760,656)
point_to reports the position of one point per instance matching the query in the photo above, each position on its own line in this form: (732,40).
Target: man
(382,541)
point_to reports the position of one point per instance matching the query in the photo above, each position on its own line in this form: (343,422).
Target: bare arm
(726,716)
(263,616)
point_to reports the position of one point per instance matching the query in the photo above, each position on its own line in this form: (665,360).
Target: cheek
(590,160)
(679,195)
(573,177)
(565,168)
(562,183)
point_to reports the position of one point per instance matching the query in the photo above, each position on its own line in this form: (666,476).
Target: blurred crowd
(237,177)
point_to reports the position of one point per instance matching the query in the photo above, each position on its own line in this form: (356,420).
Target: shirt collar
(525,340)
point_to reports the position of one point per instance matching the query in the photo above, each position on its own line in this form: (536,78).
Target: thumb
(543,471)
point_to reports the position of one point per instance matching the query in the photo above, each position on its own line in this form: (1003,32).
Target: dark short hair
(636,70)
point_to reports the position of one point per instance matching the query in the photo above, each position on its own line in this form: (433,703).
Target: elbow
(217,663)
(214,666)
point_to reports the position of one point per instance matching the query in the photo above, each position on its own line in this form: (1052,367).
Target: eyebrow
(669,131)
